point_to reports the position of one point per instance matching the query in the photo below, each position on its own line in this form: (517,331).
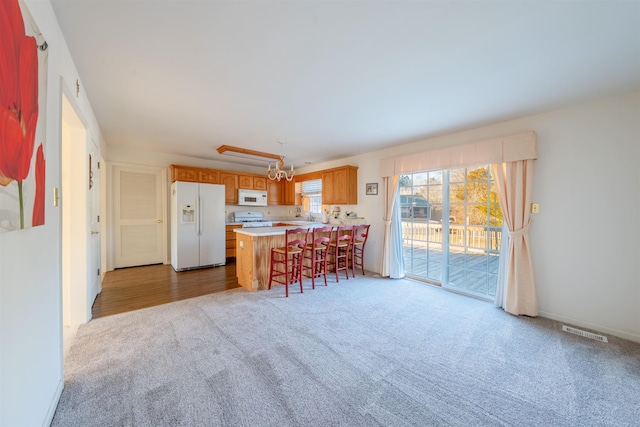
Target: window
(461,253)
(312,196)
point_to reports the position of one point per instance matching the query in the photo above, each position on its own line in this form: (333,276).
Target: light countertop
(275,231)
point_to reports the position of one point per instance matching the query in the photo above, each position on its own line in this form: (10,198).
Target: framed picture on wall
(372,188)
(23,106)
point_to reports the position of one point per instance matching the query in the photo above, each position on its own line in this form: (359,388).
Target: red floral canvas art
(23,88)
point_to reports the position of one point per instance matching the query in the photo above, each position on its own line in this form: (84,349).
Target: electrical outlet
(535,208)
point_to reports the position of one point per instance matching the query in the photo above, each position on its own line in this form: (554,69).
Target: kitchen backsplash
(289,212)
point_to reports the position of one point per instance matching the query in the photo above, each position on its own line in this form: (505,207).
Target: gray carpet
(362,352)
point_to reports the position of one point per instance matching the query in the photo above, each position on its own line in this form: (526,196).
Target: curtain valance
(497,150)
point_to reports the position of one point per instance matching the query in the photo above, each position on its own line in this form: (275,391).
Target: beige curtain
(389,188)
(513,181)
(497,150)
(512,157)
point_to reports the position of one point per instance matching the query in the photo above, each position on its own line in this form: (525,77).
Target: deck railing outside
(471,236)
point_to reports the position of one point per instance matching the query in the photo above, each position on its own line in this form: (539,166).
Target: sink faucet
(310,217)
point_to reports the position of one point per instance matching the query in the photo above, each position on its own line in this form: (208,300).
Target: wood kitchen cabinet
(274,193)
(193,174)
(340,186)
(231,240)
(281,192)
(230,182)
(289,193)
(259,182)
(245,182)
(278,192)
(209,176)
(183,173)
(252,182)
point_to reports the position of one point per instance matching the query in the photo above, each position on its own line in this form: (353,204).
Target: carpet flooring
(363,352)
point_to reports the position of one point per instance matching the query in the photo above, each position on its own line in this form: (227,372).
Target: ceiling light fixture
(279,172)
(230,150)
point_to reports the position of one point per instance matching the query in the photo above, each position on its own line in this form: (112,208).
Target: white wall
(31,366)
(585,240)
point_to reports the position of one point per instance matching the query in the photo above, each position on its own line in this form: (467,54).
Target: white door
(76,249)
(138,216)
(93,258)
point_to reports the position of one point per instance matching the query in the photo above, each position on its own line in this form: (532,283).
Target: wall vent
(585,334)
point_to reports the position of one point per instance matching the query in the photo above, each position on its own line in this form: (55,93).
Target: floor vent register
(585,334)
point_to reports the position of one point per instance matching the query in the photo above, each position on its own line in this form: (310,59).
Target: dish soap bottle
(325,217)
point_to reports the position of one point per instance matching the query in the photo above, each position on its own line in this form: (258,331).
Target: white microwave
(252,198)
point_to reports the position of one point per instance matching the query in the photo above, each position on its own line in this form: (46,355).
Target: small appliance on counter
(350,215)
(251,219)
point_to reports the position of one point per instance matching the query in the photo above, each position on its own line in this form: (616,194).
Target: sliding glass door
(421,213)
(451,229)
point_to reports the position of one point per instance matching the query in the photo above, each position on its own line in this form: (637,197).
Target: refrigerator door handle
(200,216)
(197,215)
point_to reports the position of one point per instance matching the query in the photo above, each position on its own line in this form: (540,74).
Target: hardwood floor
(133,288)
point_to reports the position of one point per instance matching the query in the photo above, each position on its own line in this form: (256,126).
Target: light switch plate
(535,207)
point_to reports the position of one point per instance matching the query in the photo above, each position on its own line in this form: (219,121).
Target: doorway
(80,248)
(452,229)
(139,206)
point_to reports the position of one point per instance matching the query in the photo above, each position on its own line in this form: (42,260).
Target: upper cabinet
(281,192)
(289,193)
(184,173)
(209,176)
(245,182)
(230,182)
(274,193)
(259,182)
(340,186)
(252,182)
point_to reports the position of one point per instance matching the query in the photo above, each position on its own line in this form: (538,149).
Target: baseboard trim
(599,328)
(54,404)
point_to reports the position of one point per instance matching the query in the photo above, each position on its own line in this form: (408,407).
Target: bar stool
(290,258)
(340,251)
(315,258)
(360,234)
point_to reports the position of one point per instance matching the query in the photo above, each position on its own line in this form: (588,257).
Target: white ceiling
(337,78)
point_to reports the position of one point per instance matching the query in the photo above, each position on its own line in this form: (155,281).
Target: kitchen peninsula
(253,247)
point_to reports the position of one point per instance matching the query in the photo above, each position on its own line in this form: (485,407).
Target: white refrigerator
(197,225)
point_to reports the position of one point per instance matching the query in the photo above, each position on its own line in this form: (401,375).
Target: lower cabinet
(231,240)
